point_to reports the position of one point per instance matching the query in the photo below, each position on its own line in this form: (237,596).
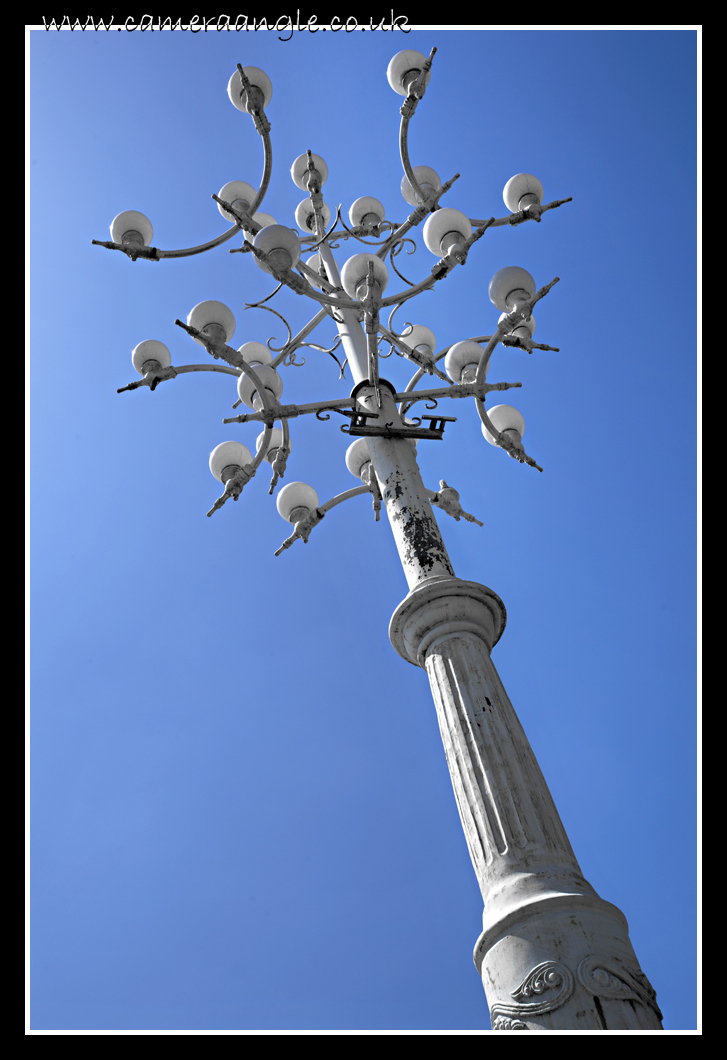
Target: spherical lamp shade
(439,224)
(460,356)
(229,454)
(366,206)
(419,335)
(523,186)
(234,190)
(264,219)
(403,68)
(504,418)
(510,286)
(256,77)
(314,263)
(305,216)
(426,177)
(269,379)
(529,324)
(132,221)
(293,497)
(255,353)
(150,350)
(274,238)
(355,271)
(357,455)
(299,170)
(212,312)
(276,440)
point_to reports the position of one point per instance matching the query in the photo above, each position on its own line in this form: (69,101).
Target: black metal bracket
(359,416)
(359,427)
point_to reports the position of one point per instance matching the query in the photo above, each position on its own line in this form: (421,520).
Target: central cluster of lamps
(447,233)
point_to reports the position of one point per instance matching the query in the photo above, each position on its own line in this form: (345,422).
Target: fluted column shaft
(552,954)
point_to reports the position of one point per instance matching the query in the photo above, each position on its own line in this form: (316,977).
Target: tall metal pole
(553,955)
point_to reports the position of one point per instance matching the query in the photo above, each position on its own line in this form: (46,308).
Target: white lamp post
(552,953)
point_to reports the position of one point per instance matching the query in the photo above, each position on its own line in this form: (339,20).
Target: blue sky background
(241,815)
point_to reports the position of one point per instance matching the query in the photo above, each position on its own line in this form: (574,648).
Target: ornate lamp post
(552,953)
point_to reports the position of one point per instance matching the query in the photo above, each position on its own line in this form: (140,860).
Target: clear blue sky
(241,815)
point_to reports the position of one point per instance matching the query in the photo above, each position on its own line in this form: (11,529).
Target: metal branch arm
(520,343)
(283,412)
(424,363)
(134,250)
(455,390)
(530,213)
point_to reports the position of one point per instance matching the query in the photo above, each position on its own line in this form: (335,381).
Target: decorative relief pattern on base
(608,980)
(551,978)
(504,1023)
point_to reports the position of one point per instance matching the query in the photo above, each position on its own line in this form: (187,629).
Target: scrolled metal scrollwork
(326,235)
(368,242)
(268,309)
(392,347)
(395,250)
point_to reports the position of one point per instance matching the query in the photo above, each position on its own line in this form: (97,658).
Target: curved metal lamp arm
(267,172)
(415,92)
(341,497)
(522,312)
(152,379)
(304,526)
(265,181)
(404,296)
(511,321)
(154,254)
(404,153)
